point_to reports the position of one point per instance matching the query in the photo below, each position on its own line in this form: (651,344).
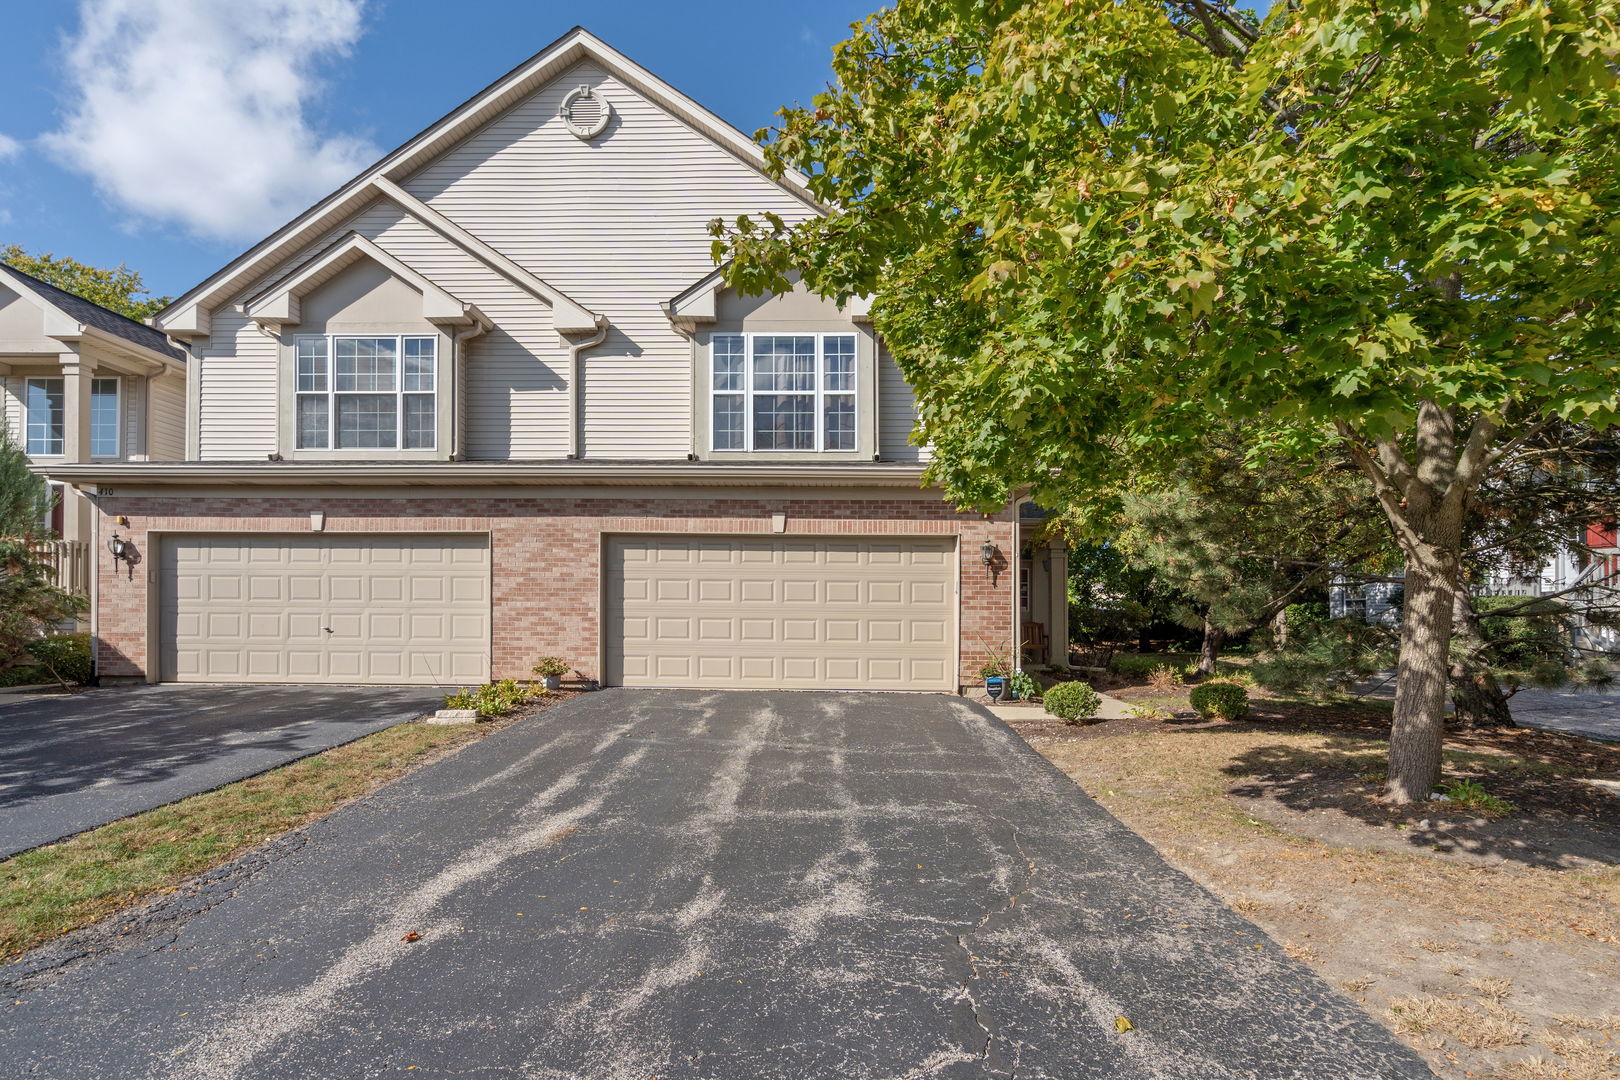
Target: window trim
(820,391)
(28,417)
(117,415)
(399,393)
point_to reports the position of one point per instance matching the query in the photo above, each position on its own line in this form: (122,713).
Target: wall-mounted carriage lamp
(987,553)
(122,551)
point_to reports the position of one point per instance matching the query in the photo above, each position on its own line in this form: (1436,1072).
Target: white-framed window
(44,402)
(104,409)
(354,392)
(782,391)
(43,417)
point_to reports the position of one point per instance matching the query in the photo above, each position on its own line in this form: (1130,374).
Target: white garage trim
(333,607)
(774,611)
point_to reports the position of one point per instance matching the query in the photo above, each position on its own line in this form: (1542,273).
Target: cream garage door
(325,607)
(780,613)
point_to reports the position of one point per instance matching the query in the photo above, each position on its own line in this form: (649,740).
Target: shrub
(1072,702)
(551,665)
(1141,665)
(1164,678)
(1024,685)
(63,656)
(496,699)
(1219,701)
(1301,619)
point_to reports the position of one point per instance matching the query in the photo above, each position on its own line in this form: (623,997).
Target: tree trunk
(1210,651)
(1418,727)
(1477,700)
(1426,498)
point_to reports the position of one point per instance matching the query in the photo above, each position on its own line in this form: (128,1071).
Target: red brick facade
(545,552)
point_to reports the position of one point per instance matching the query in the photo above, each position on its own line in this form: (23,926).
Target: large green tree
(1088,226)
(116,288)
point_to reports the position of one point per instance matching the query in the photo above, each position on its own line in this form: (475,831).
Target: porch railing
(69,561)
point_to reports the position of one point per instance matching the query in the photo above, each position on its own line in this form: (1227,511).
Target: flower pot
(995,686)
(551,682)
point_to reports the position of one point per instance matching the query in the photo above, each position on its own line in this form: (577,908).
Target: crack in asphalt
(965,991)
(155,925)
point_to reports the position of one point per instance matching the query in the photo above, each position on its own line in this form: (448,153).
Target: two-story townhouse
(491,401)
(79,383)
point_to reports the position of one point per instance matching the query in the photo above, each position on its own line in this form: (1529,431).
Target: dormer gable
(281,305)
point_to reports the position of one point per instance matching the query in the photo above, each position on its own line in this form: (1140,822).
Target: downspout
(575,398)
(458,353)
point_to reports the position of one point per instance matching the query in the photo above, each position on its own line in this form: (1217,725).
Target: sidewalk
(1593,711)
(1111,709)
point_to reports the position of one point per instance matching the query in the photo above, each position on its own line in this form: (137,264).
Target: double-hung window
(44,422)
(782,391)
(366,393)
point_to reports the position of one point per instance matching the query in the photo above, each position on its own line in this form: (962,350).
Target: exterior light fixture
(122,551)
(987,553)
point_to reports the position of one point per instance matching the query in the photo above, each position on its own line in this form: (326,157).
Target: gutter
(436,474)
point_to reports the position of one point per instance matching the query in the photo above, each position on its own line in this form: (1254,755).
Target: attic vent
(585,113)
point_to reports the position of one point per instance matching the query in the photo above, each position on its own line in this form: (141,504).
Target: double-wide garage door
(325,607)
(776,612)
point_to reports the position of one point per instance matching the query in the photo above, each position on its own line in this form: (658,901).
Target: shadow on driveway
(74,762)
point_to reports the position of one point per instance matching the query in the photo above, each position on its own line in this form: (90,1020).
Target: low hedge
(1141,665)
(1219,701)
(64,657)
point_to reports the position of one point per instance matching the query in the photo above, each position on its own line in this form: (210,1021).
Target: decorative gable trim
(696,306)
(279,306)
(189,315)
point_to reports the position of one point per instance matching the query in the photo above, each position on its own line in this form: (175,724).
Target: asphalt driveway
(681,885)
(73,762)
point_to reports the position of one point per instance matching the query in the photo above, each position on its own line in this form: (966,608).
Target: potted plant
(551,669)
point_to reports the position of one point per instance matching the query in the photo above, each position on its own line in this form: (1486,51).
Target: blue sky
(159,134)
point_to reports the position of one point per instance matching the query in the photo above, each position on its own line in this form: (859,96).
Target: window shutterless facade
(45,422)
(365,392)
(792,392)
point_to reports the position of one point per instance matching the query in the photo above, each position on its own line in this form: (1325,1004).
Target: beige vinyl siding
(11,407)
(236,390)
(617,223)
(897,413)
(515,403)
(166,418)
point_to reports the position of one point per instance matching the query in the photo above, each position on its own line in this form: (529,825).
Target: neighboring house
(1585,577)
(491,401)
(79,383)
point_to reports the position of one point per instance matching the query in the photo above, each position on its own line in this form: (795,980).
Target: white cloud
(9,147)
(196,111)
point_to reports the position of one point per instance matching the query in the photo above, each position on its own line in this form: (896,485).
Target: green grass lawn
(55,889)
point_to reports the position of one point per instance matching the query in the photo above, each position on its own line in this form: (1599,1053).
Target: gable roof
(86,313)
(697,304)
(188,315)
(280,303)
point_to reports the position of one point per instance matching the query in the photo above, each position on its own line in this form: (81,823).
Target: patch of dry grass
(1478,1026)
(1452,943)
(55,889)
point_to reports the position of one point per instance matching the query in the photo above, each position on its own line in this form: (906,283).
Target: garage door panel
(774,611)
(254,607)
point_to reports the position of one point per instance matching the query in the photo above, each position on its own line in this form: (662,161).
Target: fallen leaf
(1123,1025)
(412,936)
